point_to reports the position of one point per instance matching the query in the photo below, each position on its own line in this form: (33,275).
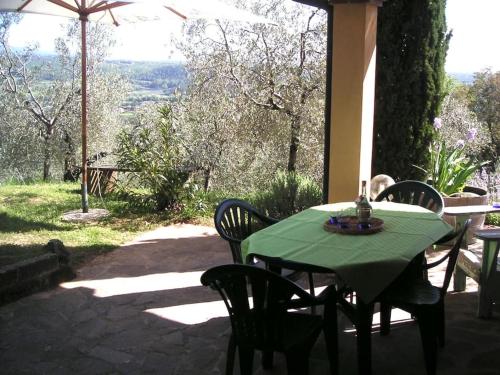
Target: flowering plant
(450,167)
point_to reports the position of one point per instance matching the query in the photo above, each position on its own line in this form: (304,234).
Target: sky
(133,41)
(475,43)
(473,47)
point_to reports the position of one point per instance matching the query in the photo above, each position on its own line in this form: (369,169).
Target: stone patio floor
(142,310)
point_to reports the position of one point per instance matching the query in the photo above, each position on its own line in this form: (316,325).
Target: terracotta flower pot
(471,196)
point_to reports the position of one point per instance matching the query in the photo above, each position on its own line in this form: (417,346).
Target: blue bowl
(364,226)
(333,220)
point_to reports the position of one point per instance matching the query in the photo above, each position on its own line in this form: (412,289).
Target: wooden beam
(324,4)
(372,2)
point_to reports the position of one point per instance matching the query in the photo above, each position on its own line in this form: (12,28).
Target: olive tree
(44,95)
(485,103)
(260,87)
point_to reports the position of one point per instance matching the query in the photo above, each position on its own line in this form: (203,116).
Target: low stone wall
(29,276)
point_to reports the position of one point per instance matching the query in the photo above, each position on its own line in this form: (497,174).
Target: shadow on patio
(141,309)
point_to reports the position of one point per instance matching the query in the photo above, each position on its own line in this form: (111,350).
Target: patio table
(366,263)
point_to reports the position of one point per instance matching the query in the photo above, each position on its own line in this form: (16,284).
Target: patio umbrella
(116,12)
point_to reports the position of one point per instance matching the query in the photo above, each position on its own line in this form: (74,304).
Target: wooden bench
(102,180)
(483,266)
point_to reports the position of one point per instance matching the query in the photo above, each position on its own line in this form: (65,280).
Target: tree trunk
(294,144)
(206,175)
(70,167)
(46,160)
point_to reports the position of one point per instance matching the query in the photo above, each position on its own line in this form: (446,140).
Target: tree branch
(270,104)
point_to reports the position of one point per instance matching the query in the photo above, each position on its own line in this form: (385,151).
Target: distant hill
(151,81)
(466,78)
(151,75)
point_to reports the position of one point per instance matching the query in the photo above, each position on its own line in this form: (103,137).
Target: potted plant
(450,169)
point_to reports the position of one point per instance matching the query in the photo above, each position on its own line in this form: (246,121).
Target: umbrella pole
(85,200)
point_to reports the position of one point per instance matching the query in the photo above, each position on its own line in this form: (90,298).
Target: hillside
(465,78)
(151,81)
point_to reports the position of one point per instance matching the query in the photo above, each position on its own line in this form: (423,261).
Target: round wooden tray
(376,225)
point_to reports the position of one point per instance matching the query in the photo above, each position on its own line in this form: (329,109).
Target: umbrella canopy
(117,12)
(110,11)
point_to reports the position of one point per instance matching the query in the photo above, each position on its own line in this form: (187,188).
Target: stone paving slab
(142,310)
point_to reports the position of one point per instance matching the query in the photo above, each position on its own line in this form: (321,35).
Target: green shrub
(493,219)
(200,204)
(152,154)
(288,194)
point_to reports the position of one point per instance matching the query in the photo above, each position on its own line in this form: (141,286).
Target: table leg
(459,281)
(485,304)
(364,314)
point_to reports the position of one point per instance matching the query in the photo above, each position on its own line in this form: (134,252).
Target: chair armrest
(446,238)
(278,263)
(328,294)
(427,266)
(266,219)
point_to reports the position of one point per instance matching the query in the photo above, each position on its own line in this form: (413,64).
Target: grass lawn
(30,215)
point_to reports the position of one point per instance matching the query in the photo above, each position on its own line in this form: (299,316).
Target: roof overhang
(324,4)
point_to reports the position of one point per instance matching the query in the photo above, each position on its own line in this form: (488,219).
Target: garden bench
(483,266)
(102,179)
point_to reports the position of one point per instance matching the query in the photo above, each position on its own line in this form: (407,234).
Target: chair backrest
(276,263)
(452,256)
(413,192)
(235,220)
(257,301)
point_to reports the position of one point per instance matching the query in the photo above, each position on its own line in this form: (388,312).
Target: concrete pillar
(353,87)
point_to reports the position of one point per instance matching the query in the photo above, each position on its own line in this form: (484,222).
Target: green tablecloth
(367,263)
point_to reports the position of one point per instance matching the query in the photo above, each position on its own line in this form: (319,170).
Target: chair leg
(246,360)
(385,318)
(311,290)
(231,352)
(441,328)
(267,360)
(311,284)
(429,342)
(330,329)
(364,316)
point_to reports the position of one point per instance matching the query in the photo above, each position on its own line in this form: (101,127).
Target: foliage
(492,219)
(40,101)
(485,103)
(199,206)
(255,101)
(460,122)
(151,152)
(411,50)
(450,168)
(288,194)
